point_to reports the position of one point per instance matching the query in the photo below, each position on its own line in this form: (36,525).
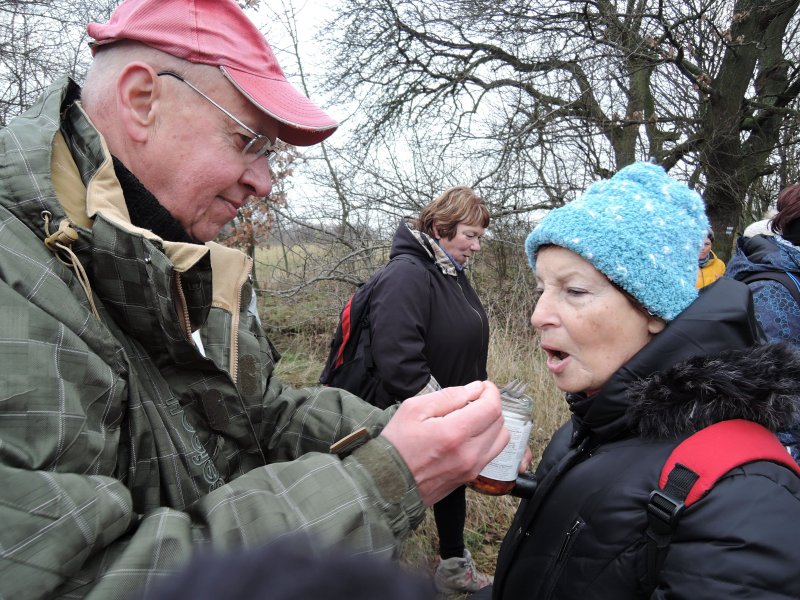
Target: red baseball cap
(218,33)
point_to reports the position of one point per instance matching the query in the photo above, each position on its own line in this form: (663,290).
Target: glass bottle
(500,475)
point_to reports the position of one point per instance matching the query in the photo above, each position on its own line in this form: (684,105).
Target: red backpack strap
(693,468)
(346,332)
(712,452)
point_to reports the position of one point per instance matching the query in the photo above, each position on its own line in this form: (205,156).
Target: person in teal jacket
(141,419)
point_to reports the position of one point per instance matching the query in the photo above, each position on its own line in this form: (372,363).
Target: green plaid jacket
(123,449)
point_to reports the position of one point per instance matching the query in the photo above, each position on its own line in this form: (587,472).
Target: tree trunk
(730,164)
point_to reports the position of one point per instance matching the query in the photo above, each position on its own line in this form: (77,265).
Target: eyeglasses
(257,146)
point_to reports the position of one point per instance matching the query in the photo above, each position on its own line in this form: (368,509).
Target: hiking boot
(458,575)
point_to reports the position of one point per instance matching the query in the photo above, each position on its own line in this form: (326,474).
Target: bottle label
(505,466)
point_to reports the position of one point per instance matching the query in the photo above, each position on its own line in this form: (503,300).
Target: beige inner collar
(104,195)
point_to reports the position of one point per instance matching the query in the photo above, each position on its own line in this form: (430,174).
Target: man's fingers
(481,414)
(445,401)
(448,436)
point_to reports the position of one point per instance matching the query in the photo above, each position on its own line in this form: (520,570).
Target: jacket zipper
(563,553)
(475,310)
(235,318)
(183,309)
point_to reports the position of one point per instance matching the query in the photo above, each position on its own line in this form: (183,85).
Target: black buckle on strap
(664,511)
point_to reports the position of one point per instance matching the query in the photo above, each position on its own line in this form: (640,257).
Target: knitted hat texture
(641,229)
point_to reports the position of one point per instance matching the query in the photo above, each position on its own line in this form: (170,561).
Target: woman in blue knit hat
(646,360)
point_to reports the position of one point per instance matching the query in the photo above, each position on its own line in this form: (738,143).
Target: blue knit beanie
(641,229)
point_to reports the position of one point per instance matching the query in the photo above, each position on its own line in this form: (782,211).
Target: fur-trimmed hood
(760,384)
(710,364)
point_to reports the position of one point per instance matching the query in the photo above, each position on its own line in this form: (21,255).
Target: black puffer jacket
(582,534)
(425,322)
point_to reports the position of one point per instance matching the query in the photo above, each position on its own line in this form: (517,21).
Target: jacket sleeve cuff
(399,497)
(430,387)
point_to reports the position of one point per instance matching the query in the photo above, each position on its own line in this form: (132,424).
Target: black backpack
(350,364)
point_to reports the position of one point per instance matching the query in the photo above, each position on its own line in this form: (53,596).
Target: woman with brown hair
(770,257)
(428,330)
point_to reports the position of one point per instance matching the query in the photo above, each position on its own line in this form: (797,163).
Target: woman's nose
(543,314)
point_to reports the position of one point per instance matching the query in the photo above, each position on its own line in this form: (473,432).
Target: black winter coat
(425,322)
(581,536)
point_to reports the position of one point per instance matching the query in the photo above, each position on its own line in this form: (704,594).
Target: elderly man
(141,419)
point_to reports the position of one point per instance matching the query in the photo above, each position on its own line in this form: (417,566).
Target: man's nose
(258,177)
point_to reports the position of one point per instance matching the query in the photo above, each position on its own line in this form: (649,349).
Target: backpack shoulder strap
(346,331)
(693,468)
(789,281)
(713,451)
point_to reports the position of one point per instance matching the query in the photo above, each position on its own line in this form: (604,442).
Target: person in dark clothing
(646,360)
(429,330)
(776,310)
(776,307)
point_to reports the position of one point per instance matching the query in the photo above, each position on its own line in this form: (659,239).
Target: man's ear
(138,96)
(435,230)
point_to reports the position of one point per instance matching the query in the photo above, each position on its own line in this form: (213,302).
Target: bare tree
(40,41)
(334,222)
(539,97)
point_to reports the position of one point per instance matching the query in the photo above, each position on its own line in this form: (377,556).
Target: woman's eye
(576,292)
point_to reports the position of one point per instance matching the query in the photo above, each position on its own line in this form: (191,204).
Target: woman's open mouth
(556,360)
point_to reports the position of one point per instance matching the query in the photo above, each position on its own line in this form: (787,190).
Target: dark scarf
(702,262)
(145,210)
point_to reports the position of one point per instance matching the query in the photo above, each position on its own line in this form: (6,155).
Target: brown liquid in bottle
(499,476)
(491,487)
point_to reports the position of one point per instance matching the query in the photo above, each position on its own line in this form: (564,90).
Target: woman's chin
(570,385)
(567,386)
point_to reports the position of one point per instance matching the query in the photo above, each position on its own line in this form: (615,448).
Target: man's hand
(447,437)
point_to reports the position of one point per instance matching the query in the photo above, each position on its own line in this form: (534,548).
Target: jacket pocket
(564,552)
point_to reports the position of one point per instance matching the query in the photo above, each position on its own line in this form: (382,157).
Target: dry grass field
(301,327)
